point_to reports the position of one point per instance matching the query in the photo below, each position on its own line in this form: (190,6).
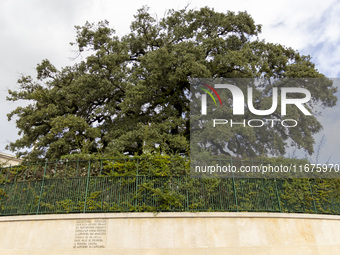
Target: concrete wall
(170,233)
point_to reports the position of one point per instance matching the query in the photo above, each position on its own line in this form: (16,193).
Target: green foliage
(3,196)
(130,94)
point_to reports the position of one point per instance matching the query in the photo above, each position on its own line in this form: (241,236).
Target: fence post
(278,197)
(42,186)
(231,162)
(221,202)
(87,184)
(136,203)
(186,180)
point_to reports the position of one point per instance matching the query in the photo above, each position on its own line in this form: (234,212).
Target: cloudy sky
(33,30)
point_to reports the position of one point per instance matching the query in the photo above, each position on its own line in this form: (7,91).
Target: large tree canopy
(130,94)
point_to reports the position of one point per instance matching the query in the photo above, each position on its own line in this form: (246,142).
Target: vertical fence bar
(136,203)
(235,195)
(219,187)
(42,186)
(278,197)
(187,189)
(87,184)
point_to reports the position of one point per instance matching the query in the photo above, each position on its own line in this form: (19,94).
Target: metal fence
(124,185)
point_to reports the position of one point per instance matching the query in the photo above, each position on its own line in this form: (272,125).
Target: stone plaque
(90,234)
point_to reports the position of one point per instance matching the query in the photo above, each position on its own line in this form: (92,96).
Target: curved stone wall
(170,233)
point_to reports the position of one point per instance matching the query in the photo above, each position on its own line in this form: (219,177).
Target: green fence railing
(110,186)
